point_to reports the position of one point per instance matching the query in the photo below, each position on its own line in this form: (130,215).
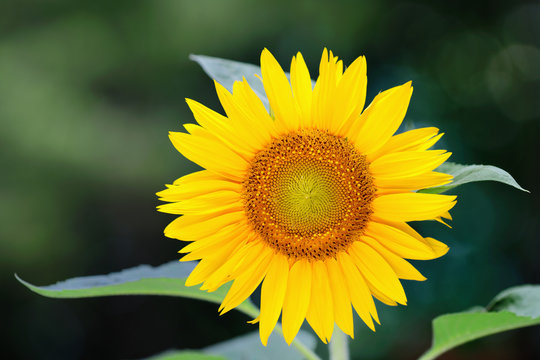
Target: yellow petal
(341,298)
(212,155)
(447,215)
(193,227)
(324,90)
(302,88)
(426,145)
(245,284)
(201,133)
(297,299)
(412,206)
(279,92)
(350,97)
(221,127)
(188,189)
(225,273)
(254,250)
(401,267)
(254,321)
(377,271)
(265,125)
(439,249)
(381,119)
(361,298)
(209,265)
(321,309)
(209,246)
(406,164)
(197,176)
(204,203)
(223,234)
(427,180)
(272,295)
(412,140)
(315,322)
(380,296)
(246,126)
(400,242)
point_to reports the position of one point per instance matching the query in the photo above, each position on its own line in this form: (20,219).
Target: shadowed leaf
(167,279)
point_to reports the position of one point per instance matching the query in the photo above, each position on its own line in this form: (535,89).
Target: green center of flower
(305,198)
(308,194)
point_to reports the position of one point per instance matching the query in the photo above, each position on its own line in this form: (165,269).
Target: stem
(339,346)
(302,349)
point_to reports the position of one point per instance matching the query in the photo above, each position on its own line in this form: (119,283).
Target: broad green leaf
(513,308)
(249,347)
(226,72)
(167,279)
(472,173)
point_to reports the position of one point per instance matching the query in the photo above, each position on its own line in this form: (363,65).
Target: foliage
(513,308)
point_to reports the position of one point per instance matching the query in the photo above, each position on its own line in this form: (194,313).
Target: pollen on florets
(308,194)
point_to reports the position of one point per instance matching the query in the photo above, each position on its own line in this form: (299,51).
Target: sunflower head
(311,198)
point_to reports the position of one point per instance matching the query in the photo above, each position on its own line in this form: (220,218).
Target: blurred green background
(89,90)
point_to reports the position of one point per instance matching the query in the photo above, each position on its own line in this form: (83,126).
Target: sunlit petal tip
(439,219)
(288,340)
(223,310)
(255,321)
(192,280)
(438,247)
(266,55)
(447,215)
(220,88)
(185,258)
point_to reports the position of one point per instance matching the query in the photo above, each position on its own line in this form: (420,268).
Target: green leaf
(471,173)
(513,308)
(167,279)
(226,72)
(249,347)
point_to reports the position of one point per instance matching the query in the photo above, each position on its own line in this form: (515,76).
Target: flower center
(308,194)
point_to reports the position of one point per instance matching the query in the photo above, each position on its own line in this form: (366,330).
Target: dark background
(89,90)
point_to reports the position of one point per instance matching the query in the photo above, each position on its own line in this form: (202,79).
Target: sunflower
(311,198)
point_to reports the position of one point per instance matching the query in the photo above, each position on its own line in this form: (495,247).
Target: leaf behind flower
(464,174)
(167,279)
